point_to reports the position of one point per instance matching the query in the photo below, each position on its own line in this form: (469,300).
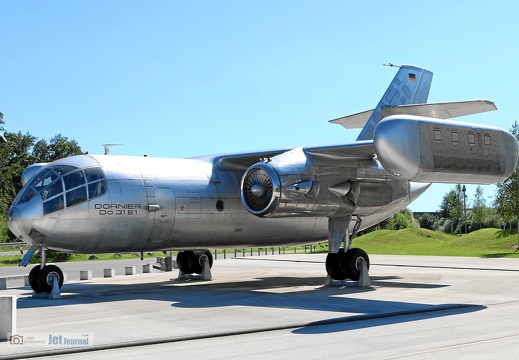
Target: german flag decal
(412,77)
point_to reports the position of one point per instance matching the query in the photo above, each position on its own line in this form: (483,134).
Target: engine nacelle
(288,185)
(261,189)
(430,150)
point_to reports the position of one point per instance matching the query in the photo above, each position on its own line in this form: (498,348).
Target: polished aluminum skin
(158,204)
(429,150)
(108,203)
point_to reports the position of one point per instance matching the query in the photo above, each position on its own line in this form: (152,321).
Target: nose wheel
(41,279)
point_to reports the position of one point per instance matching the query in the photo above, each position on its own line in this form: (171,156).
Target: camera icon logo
(17,340)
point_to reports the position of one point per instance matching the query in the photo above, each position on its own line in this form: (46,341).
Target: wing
(446,110)
(239,161)
(361,150)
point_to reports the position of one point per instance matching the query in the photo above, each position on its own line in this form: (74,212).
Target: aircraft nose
(17,224)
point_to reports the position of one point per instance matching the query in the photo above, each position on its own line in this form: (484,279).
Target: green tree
(450,206)
(15,156)
(398,221)
(480,211)
(427,221)
(507,196)
(20,151)
(401,220)
(58,147)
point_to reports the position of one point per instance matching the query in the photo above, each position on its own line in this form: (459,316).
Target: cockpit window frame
(47,193)
(43,179)
(72,193)
(74,179)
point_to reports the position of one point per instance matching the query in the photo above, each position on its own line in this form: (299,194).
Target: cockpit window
(79,186)
(63,169)
(96,189)
(76,196)
(46,177)
(27,195)
(74,179)
(93,174)
(53,189)
(53,205)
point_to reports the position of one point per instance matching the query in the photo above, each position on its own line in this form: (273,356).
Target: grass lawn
(482,243)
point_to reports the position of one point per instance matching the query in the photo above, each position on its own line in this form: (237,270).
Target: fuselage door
(164,216)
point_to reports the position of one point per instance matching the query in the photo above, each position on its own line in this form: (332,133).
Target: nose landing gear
(42,277)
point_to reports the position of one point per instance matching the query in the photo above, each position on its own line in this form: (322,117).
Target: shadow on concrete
(367,321)
(308,293)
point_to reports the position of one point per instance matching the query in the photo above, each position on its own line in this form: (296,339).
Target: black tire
(194,262)
(46,278)
(333,265)
(33,278)
(183,263)
(190,262)
(351,265)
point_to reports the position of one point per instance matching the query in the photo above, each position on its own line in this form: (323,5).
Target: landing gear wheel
(351,263)
(190,262)
(333,265)
(46,278)
(182,262)
(33,278)
(194,262)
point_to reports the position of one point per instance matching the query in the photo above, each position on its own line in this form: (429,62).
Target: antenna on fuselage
(107,147)
(391,65)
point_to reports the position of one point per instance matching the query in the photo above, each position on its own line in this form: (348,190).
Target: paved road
(276,307)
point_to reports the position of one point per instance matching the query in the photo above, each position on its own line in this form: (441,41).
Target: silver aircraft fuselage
(144,204)
(95,204)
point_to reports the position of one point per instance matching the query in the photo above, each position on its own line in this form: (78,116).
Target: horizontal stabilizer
(445,110)
(355,121)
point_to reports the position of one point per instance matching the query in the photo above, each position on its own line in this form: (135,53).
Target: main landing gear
(43,276)
(342,262)
(195,262)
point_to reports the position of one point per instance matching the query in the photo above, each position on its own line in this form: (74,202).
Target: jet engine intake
(289,185)
(260,189)
(423,149)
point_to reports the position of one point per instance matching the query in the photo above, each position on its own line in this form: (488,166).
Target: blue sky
(185,78)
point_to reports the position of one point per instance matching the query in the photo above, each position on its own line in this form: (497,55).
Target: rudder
(410,85)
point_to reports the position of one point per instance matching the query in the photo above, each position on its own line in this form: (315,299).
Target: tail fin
(410,86)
